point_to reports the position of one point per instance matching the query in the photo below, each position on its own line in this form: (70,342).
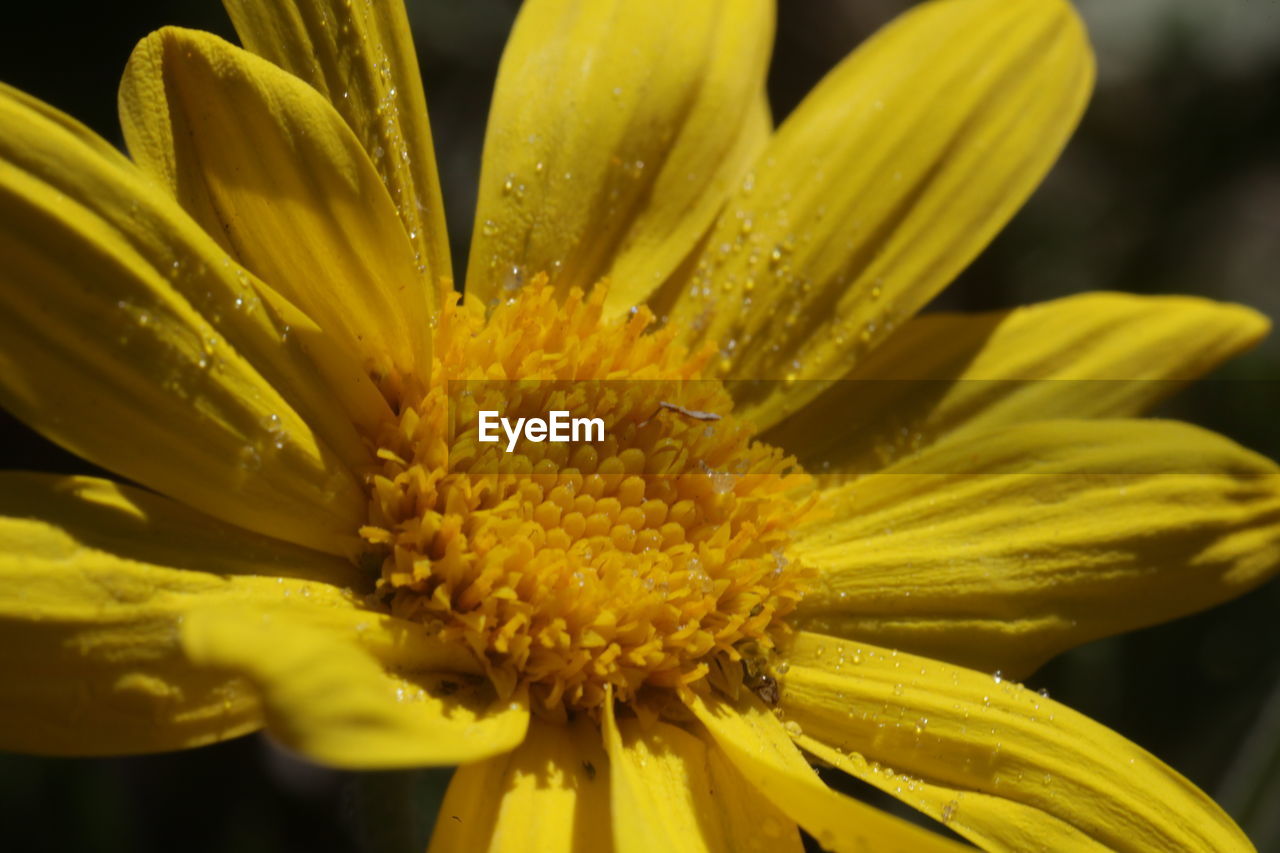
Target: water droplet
(250,459)
(513,279)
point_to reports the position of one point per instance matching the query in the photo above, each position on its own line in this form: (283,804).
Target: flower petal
(999,549)
(269,169)
(129,338)
(551,794)
(665,796)
(1017,765)
(882,185)
(360,57)
(992,822)
(1097,355)
(751,821)
(758,746)
(94,579)
(56,514)
(617,129)
(334,702)
(282,343)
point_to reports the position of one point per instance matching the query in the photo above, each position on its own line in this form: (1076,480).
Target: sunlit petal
(1001,548)
(998,763)
(271,171)
(360,57)
(881,186)
(1097,355)
(617,129)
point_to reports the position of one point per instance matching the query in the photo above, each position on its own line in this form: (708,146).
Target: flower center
(646,559)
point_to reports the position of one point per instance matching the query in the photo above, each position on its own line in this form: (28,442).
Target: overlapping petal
(1097,355)
(271,170)
(129,337)
(998,763)
(94,580)
(667,796)
(1001,548)
(335,702)
(751,821)
(616,131)
(756,743)
(882,185)
(551,793)
(360,57)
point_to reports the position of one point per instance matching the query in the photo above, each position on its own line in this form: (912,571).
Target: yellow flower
(631,645)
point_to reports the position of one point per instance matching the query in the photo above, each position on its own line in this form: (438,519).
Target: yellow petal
(1017,766)
(269,169)
(617,129)
(551,794)
(758,746)
(55,522)
(334,702)
(94,579)
(882,185)
(999,549)
(992,822)
(282,343)
(665,796)
(750,820)
(360,57)
(1097,355)
(52,515)
(129,338)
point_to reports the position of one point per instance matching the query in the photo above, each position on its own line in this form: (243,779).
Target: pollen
(652,558)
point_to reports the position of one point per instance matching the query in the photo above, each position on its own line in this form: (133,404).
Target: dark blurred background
(1172,185)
